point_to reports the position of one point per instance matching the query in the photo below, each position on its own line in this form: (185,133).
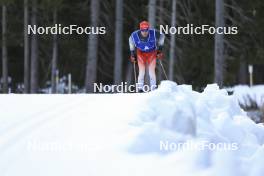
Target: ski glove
(159,54)
(132,59)
(133,56)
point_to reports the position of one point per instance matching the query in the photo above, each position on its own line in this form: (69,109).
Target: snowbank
(213,132)
(246,94)
(170,131)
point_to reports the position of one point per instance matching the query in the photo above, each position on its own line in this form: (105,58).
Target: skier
(146,46)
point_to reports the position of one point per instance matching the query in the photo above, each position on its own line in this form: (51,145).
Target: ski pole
(163,69)
(135,74)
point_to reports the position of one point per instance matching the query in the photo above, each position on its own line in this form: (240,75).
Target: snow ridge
(174,114)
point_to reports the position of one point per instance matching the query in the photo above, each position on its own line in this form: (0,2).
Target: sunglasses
(144,30)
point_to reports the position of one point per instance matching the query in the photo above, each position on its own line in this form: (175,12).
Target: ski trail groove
(27,117)
(28,127)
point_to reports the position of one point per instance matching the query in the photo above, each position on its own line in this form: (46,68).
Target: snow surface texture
(121,134)
(246,94)
(252,99)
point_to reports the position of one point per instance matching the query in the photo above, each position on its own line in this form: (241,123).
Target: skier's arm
(132,46)
(132,49)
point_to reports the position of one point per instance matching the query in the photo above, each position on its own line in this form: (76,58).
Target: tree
(4,50)
(54,56)
(160,21)
(219,44)
(34,52)
(26,50)
(118,42)
(242,70)
(172,40)
(152,13)
(92,50)
(52,7)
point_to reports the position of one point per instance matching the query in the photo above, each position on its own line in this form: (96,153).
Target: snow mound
(245,95)
(209,129)
(170,131)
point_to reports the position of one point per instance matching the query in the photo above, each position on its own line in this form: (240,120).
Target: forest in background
(30,63)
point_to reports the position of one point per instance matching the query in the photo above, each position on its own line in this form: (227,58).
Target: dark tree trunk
(34,52)
(26,50)
(159,70)
(172,41)
(219,44)
(4,51)
(129,73)
(92,57)
(118,42)
(152,13)
(54,56)
(243,76)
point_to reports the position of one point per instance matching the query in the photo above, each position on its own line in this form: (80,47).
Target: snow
(245,94)
(170,131)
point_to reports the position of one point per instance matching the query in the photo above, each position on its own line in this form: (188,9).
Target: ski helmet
(144,25)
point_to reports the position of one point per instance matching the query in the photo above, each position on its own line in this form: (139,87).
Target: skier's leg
(152,74)
(141,75)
